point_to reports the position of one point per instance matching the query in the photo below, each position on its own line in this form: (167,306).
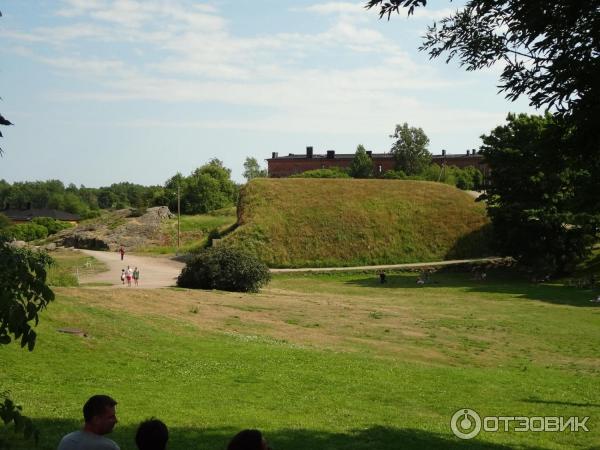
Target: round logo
(465,424)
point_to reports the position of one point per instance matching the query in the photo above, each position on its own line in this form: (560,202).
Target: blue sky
(102,91)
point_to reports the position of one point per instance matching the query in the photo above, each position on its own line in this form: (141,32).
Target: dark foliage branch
(10,413)
(390,6)
(549,48)
(24,293)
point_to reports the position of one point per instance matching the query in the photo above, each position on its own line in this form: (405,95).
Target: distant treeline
(207,188)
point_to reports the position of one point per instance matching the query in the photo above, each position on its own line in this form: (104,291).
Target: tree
(410,149)
(531,193)
(208,188)
(362,164)
(23,294)
(549,52)
(253,170)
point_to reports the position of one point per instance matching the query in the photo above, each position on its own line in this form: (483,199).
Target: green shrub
(4,221)
(394,175)
(224,268)
(26,232)
(333,172)
(52,225)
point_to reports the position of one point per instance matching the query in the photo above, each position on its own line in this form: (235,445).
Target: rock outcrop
(117,228)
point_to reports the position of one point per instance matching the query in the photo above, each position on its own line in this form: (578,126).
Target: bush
(4,221)
(226,269)
(333,172)
(394,175)
(26,232)
(52,225)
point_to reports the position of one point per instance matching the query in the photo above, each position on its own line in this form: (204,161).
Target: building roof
(28,214)
(373,155)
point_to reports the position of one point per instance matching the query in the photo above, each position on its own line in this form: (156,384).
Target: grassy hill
(339,222)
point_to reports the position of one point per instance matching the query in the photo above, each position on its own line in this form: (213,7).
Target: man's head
(152,434)
(99,414)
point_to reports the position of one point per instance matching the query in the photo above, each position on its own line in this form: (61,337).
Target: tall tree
(208,188)
(362,164)
(253,170)
(410,149)
(530,194)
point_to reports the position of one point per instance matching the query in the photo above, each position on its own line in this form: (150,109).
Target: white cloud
(337,8)
(432,14)
(185,52)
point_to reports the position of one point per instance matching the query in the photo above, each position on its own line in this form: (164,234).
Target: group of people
(130,274)
(100,418)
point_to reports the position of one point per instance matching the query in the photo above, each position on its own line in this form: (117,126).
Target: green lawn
(68,265)
(319,362)
(194,231)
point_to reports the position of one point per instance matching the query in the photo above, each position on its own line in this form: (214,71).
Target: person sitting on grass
(100,419)
(248,440)
(152,434)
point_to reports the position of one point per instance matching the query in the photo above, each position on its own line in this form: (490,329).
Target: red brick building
(284,166)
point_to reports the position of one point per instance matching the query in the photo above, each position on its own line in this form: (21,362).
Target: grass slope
(194,231)
(338,222)
(319,362)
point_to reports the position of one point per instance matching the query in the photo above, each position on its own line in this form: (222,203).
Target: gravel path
(424,265)
(155,272)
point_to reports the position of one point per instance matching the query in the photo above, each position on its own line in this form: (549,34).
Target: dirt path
(453,262)
(155,272)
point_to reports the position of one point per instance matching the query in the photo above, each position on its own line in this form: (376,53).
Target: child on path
(128,274)
(123,276)
(136,275)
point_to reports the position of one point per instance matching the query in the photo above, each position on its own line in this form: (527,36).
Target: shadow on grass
(500,281)
(192,438)
(562,403)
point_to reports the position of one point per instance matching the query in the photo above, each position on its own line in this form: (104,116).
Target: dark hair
(246,440)
(96,405)
(152,434)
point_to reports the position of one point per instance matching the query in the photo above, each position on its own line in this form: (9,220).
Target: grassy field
(335,222)
(320,361)
(68,265)
(194,231)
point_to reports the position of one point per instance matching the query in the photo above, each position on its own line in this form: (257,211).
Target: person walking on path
(122,276)
(122,252)
(100,419)
(129,275)
(136,275)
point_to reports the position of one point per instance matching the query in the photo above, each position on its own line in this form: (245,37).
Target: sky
(104,91)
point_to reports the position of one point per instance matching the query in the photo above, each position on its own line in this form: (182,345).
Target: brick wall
(285,166)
